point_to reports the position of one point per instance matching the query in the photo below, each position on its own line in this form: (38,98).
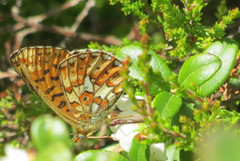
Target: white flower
(13,154)
(157,152)
(126,132)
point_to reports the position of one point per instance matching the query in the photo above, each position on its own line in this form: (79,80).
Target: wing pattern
(81,86)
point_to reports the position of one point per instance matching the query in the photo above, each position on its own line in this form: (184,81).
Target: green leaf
(209,70)
(157,63)
(46,130)
(138,151)
(159,66)
(185,110)
(227,51)
(55,151)
(132,50)
(96,155)
(157,84)
(198,69)
(172,153)
(167,104)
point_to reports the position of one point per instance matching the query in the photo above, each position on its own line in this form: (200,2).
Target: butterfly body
(81,86)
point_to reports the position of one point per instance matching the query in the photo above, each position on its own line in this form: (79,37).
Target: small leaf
(209,70)
(138,151)
(198,69)
(96,155)
(157,63)
(132,50)
(167,104)
(227,51)
(157,84)
(159,66)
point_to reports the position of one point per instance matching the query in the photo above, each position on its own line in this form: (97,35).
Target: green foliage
(181,26)
(167,104)
(178,113)
(138,151)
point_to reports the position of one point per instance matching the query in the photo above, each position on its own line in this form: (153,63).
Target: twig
(56,11)
(79,20)
(82,15)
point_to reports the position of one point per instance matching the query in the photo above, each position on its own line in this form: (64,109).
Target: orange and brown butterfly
(81,86)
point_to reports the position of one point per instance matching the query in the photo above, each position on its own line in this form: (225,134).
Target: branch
(56,11)
(82,15)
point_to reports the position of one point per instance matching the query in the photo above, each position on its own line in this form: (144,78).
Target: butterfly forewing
(38,66)
(90,88)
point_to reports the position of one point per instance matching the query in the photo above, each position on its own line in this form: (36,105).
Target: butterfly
(80,86)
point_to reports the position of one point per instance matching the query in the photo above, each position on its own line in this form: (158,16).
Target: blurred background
(70,24)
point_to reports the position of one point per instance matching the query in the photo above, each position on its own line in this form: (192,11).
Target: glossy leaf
(132,50)
(167,104)
(227,52)
(198,69)
(159,66)
(96,155)
(157,63)
(208,71)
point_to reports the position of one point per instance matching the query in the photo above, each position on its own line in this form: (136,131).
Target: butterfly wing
(91,83)
(38,66)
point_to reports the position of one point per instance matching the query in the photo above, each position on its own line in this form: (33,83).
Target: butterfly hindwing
(91,87)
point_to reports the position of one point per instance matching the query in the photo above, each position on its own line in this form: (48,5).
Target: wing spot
(39,80)
(55,65)
(107,72)
(46,71)
(49,89)
(55,78)
(40,53)
(56,95)
(62,104)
